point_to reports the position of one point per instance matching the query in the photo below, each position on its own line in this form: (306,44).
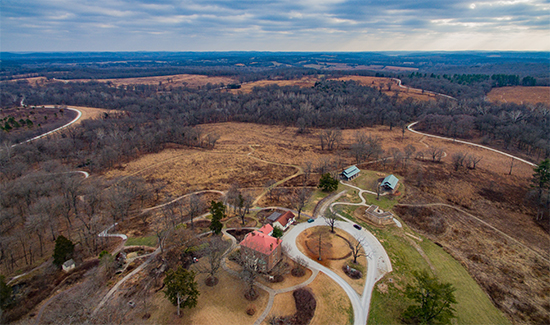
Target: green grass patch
(473,307)
(150,241)
(385,203)
(315,197)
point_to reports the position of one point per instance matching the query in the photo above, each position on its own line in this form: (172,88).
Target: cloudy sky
(278,25)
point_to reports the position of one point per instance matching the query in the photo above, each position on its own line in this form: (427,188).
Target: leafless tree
(245,203)
(213,254)
(330,138)
(299,199)
(308,169)
(458,160)
(211,139)
(356,246)
(409,151)
(330,219)
(195,207)
(436,153)
(473,160)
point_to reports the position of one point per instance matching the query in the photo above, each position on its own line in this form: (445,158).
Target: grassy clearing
(385,203)
(315,197)
(474,305)
(388,301)
(150,241)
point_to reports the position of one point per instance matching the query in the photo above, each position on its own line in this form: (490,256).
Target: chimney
(271,246)
(278,240)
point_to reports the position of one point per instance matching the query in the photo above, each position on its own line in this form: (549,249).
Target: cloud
(321,25)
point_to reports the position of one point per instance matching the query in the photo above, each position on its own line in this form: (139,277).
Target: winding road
(409,127)
(78,116)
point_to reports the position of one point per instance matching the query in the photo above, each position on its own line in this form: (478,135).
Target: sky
(278,25)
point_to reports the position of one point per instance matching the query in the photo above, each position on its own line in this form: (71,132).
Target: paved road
(409,127)
(55,130)
(378,264)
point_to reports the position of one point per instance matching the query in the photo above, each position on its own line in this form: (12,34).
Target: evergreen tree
(217,209)
(181,288)
(327,183)
(63,250)
(433,299)
(277,232)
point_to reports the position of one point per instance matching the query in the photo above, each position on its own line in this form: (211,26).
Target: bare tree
(356,246)
(473,160)
(213,254)
(436,153)
(458,160)
(330,219)
(195,207)
(308,169)
(330,138)
(299,200)
(245,203)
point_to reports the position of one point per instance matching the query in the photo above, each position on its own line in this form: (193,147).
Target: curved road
(78,116)
(409,127)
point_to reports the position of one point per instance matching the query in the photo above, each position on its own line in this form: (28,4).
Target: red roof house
(261,249)
(284,221)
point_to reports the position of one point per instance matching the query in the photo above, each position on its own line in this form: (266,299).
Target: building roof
(390,181)
(351,171)
(285,218)
(260,242)
(266,229)
(274,216)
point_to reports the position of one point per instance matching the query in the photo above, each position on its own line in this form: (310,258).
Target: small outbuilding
(350,173)
(68,265)
(390,182)
(379,217)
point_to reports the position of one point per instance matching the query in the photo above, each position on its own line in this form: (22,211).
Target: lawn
(150,241)
(388,302)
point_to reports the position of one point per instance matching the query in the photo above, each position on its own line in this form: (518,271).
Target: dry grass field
(221,304)
(334,252)
(333,305)
(178,80)
(308,82)
(520,95)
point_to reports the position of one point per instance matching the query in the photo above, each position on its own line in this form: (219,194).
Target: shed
(390,182)
(68,265)
(350,173)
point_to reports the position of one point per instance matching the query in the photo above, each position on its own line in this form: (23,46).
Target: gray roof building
(390,182)
(350,172)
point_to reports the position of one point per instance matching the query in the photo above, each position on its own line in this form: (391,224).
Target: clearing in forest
(520,95)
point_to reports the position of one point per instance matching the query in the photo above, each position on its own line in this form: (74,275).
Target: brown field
(305,82)
(334,252)
(308,82)
(333,305)
(186,170)
(520,95)
(221,304)
(345,66)
(178,80)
